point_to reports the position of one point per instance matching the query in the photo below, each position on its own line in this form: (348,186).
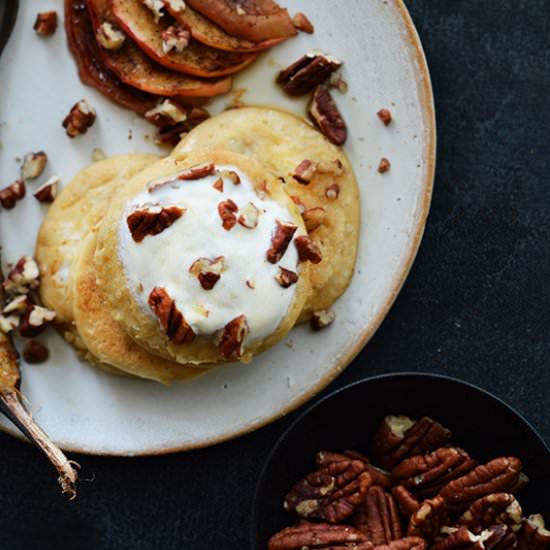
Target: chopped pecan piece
(303,173)
(399,437)
(384,165)
(18,305)
(228,213)
(218,185)
(33,165)
(9,323)
(171,135)
(337,81)
(175,38)
(425,475)
(314,217)
(46,23)
(306,73)
(198,171)
(499,475)
(308,251)
(35,352)
(23,277)
(171,319)
(378,517)
(322,319)
(407,502)
(152,220)
(12,193)
(319,536)
(385,116)
(407,543)
(280,239)
(109,38)
(35,320)
(325,114)
(232,339)
(231,175)
(332,192)
(249,216)
(332,493)
(156,7)
(428,520)
(533,534)
(302,23)
(166,114)
(48,190)
(494,509)
(286,278)
(81,117)
(499,537)
(207,271)
(460,538)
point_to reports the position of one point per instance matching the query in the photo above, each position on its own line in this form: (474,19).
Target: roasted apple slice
(134,68)
(255,20)
(195,59)
(91,69)
(207,32)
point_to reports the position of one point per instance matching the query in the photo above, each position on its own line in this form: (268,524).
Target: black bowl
(481,423)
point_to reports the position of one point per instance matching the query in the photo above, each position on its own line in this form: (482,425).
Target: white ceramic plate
(89,411)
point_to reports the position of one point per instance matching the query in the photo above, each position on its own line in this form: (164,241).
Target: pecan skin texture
(407,502)
(171,319)
(424,436)
(12,193)
(308,251)
(325,114)
(427,521)
(280,239)
(332,493)
(378,517)
(499,475)
(228,213)
(306,73)
(151,221)
(460,539)
(424,476)
(500,537)
(533,535)
(319,535)
(494,509)
(233,337)
(407,543)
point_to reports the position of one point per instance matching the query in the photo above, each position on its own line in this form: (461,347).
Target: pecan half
(302,23)
(175,38)
(407,543)
(428,520)
(81,117)
(207,271)
(399,437)
(23,277)
(35,352)
(332,493)
(533,534)
(152,220)
(499,475)
(314,217)
(232,338)
(303,173)
(35,320)
(249,216)
(494,509)
(325,114)
(319,536)
(171,319)
(33,165)
(46,23)
(306,73)
(407,502)
(322,319)
(227,210)
(308,251)
(332,192)
(385,116)
(286,278)
(425,475)
(280,239)
(12,193)
(48,190)
(378,517)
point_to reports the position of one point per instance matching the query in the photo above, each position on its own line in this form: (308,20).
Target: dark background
(476,304)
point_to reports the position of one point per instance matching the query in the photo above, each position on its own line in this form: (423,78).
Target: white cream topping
(164,260)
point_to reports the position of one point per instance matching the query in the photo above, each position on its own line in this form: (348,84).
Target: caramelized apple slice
(196,59)
(91,69)
(255,20)
(207,32)
(134,68)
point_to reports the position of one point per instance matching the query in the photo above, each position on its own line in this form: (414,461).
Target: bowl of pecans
(405,462)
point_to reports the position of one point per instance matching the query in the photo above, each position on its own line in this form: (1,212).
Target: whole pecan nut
(280,239)
(171,319)
(152,220)
(428,520)
(325,114)
(378,517)
(306,73)
(494,509)
(332,493)
(499,475)
(533,534)
(424,476)
(399,437)
(407,502)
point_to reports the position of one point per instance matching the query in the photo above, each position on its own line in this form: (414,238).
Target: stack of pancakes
(84,276)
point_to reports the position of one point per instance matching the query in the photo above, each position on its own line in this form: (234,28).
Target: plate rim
(428,107)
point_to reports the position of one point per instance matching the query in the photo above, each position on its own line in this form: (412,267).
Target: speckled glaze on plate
(89,411)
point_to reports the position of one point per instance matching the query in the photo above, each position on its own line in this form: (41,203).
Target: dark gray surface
(476,304)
